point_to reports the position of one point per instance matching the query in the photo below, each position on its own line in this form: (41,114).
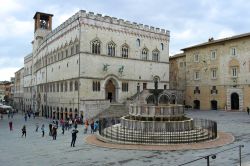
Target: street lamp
(213,156)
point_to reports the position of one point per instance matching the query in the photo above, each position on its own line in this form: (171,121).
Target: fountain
(156,124)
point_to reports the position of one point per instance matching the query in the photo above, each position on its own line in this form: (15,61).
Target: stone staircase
(115,110)
(118,134)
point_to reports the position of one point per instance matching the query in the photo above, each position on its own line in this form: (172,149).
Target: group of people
(67,124)
(93,126)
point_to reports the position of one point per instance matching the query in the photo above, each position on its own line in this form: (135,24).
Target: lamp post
(240,146)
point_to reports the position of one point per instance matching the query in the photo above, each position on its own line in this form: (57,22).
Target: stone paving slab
(38,151)
(222,139)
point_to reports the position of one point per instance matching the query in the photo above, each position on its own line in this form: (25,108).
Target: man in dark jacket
(74,133)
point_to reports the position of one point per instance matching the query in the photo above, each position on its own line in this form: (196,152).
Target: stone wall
(91,108)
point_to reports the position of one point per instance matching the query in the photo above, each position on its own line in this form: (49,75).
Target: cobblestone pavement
(38,151)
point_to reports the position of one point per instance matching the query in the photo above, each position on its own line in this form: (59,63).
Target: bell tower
(42,27)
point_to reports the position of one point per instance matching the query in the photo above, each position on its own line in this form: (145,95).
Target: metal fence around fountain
(111,130)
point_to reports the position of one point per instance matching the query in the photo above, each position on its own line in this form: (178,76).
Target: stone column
(50,23)
(37,21)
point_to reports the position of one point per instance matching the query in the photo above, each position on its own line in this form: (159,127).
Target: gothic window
(71,86)
(144,54)
(155,55)
(72,50)
(77,49)
(57,87)
(54,88)
(138,43)
(66,86)
(96,47)
(111,49)
(125,51)
(76,85)
(51,86)
(96,86)
(66,53)
(55,57)
(125,87)
(62,54)
(162,46)
(61,87)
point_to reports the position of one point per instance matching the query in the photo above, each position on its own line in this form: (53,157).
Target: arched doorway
(70,114)
(150,99)
(61,113)
(57,113)
(173,99)
(110,91)
(164,99)
(234,101)
(66,114)
(213,104)
(196,104)
(76,113)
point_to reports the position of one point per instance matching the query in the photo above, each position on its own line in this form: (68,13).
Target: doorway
(213,104)
(196,104)
(110,91)
(234,101)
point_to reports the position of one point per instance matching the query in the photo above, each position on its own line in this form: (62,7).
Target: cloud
(6,61)
(15,28)
(8,6)
(225,33)
(8,72)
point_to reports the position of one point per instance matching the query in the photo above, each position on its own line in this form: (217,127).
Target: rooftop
(212,41)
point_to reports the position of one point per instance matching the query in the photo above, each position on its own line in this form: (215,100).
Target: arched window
(71,86)
(66,86)
(144,54)
(125,51)
(77,48)
(155,55)
(162,46)
(76,85)
(96,47)
(138,43)
(111,49)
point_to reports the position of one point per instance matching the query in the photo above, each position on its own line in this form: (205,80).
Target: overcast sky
(189,21)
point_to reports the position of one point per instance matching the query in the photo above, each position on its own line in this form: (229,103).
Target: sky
(190,22)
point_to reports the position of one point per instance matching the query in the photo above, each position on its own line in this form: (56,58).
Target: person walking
(248,110)
(63,128)
(42,128)
(37,126)
(54,132)
(10,125)
(24,131)
(92,126)
(50,129)
(25,117)
(74,135)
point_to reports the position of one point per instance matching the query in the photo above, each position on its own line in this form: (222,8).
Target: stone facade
(18,86)
(177,75)
(218,74)
(27,83)
(91,57)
